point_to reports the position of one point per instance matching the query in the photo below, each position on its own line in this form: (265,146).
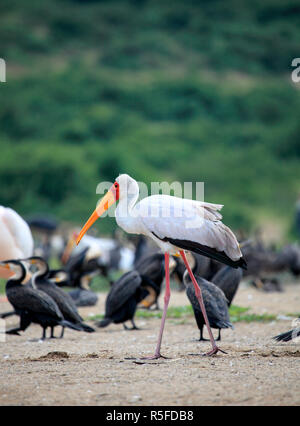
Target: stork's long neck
(125,213)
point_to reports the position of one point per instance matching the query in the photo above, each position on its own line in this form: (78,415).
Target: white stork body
(175,224)
(16,241)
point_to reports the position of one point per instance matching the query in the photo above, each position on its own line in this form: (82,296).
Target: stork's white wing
(182,219)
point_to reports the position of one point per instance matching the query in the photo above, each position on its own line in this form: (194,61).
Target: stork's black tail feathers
(220,256)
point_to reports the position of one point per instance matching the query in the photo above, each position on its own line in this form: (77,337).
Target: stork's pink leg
(157,353)
(198,294)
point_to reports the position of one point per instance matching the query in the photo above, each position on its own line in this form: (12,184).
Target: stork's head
(128,187)
(124,187)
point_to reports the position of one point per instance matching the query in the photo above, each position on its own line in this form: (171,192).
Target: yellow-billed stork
(175,224)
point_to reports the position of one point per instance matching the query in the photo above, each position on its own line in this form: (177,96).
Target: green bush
(195,91)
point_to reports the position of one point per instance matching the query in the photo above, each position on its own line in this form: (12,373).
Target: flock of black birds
(41,300)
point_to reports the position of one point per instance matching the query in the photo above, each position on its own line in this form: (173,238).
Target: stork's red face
(107,201)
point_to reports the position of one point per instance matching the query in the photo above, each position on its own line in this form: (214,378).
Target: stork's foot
(214,351)
(155,356)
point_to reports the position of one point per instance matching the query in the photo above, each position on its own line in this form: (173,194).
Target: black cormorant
(289,335)
(152,270)
(32,305)
(215,302)
(200,265)
(122,300)
(81,265)
(64,301)
(228,280)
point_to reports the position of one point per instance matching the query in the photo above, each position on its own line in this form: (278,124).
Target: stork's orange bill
(69,247)
(107,201)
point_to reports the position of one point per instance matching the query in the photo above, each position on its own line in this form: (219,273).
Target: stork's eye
(116,185)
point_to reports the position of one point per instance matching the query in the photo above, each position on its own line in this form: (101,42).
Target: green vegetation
(172,90)
(293,314)
(173,312)
(237,314)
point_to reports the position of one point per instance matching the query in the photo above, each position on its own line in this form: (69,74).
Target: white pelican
(175,224)
(16,240)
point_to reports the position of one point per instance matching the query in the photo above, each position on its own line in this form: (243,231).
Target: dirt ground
(92,369)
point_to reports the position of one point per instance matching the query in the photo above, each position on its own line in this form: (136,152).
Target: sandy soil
(92,369)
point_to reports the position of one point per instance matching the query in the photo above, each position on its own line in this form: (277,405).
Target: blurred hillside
(172,90)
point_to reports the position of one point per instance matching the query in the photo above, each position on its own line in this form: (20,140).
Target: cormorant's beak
(107,201)
(5,270)
(59,277)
